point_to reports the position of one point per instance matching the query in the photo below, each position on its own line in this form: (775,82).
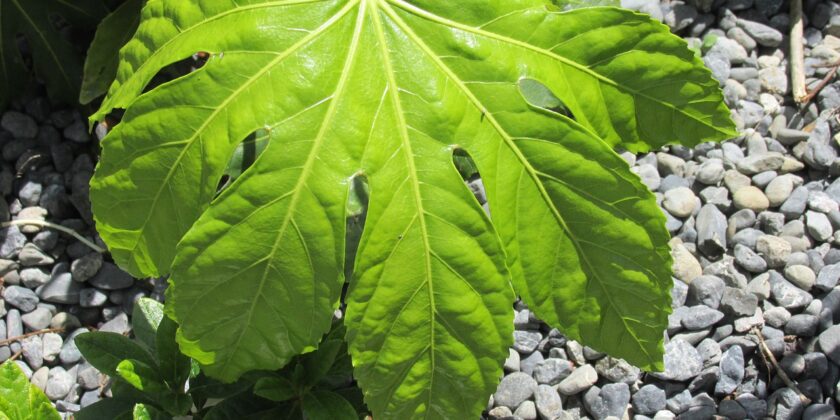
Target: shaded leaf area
(51,53)
(102,59)
(20,400)
(387,91)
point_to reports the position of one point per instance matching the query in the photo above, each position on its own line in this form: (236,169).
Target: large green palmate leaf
(54,56)
(388,90)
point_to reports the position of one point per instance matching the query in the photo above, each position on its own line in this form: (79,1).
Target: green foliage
(20,400)
(388,91)
(103,54)
(153,380)
(54,58)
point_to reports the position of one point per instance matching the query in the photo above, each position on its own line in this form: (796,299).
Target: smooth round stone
(680,202)
(751,198)
(580,380)
(711,172)
(779,189)
(800,275)
(682,361)
(514,390)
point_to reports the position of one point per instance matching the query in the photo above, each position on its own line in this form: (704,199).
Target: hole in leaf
(468,170)
(177,69)
(245,154)
(465,164)
(540,96)
(357,205)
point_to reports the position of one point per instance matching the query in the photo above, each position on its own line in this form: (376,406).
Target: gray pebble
(19,124)
(515,389)
(59,383)
(711,228)
(700,317)
(92,298)
(736,302)
(763,34)
(11,242)
(611,400)
(38,319)
(552,371)
(819,227)
(749,260)
(20,297)
(548,402)
(578,381)
(61,289)
(829,341)
(110,277)
(682,361)
(828,277)
(648,400)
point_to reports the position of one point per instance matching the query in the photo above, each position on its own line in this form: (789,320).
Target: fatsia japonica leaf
(387,91)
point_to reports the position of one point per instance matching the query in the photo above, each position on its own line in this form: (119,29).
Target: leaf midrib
(478,31)
(532,173)
(393,89)
(313,153)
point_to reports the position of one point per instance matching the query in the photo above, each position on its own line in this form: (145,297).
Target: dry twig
(30,334)
(768,355)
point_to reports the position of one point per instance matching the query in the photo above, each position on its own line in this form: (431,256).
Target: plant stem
(797,60)
(67,230)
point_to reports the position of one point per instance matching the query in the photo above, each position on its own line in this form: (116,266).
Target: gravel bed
(53,282)
(756,247)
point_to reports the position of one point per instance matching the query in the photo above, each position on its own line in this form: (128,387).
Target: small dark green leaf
(145,320)
(108,408)
(141,376)
(105,351)
(175,367)
(326,405)
(318,363)
(176,404)
(275,388)
(148,412)
(246,406)
(20,400)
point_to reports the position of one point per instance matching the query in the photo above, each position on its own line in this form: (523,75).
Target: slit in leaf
(357,205)
(540,96)
(245,154)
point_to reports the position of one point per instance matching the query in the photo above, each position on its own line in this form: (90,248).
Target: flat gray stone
(514,390)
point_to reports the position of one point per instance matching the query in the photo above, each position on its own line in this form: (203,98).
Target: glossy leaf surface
(388,90)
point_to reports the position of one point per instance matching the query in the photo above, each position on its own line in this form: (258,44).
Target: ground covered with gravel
(756,247)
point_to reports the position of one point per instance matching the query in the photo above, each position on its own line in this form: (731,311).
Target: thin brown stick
(781,372)
(823,83)
(29,334)
(797,55)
